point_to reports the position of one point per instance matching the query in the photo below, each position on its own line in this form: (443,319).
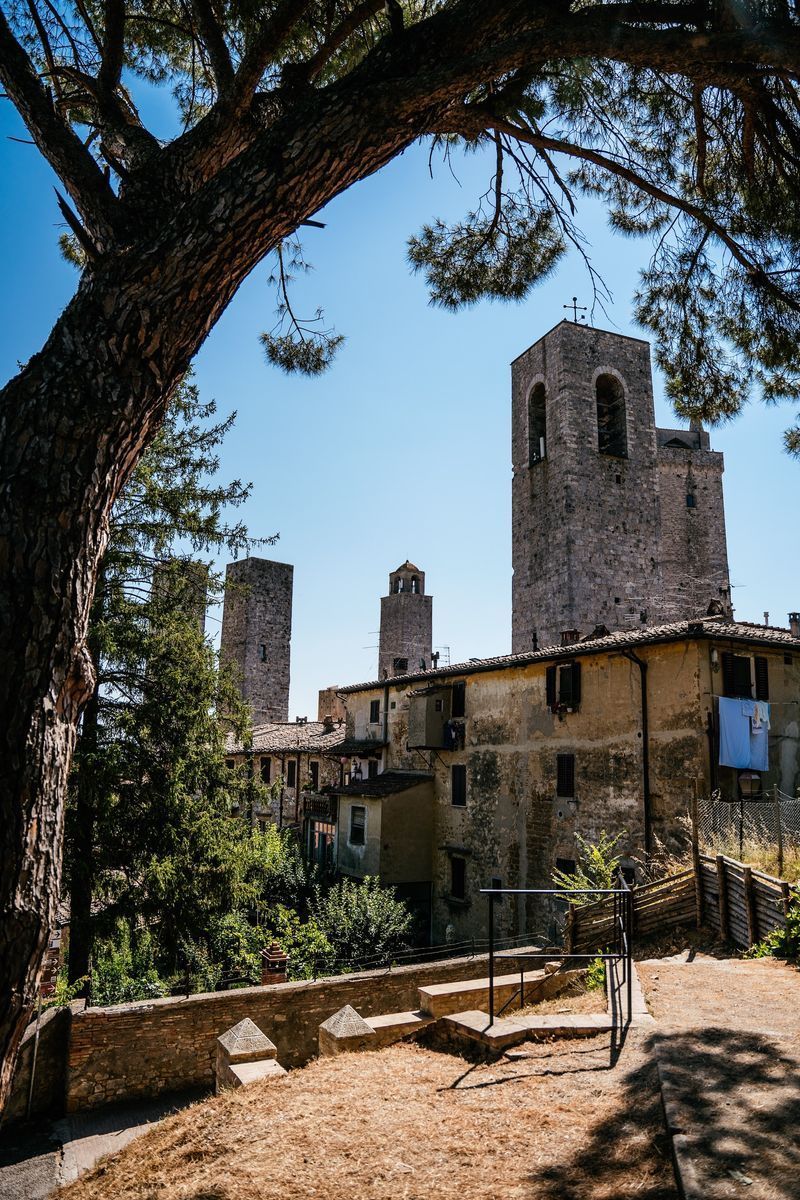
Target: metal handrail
(622,927)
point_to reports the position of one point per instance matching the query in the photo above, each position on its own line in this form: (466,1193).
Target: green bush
(596,975)
(361,920)
(782,943)
(123,968)
(597,867)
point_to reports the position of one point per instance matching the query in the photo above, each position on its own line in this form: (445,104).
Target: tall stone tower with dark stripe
(256,634)
(406,623)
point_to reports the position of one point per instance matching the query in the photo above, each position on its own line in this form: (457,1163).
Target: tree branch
(113,46)
(340,35)
(80,174)
(214,42)
(557,146)
(264,48)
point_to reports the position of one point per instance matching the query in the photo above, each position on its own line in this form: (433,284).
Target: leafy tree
(361,920)
(683,116)
(597,867)
(149,835)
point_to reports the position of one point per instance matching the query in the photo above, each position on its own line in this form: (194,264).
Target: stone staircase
(455,1003)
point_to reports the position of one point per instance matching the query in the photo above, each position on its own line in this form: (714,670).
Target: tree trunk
(72,425)
(83,868)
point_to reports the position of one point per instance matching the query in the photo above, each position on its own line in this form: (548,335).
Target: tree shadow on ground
(737,1101)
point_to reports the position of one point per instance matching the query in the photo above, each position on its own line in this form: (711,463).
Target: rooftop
(278,737)
(387,784)
(715,628)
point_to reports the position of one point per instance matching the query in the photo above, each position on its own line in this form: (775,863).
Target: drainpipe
(642,665)
(386,723)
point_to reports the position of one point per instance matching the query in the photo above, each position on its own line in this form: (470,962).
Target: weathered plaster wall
(407,835)
(366,859)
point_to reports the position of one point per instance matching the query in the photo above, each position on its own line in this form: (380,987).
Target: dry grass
(576,998)
(409,1122)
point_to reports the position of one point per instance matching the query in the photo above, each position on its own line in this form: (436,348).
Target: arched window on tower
(415,585)
(612,435)
(537,424)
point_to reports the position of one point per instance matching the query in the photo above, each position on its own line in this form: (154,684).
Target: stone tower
(256,632)
(406,623)
(694,551)
(598,533)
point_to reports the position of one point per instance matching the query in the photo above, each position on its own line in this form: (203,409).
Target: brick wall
(103,1055)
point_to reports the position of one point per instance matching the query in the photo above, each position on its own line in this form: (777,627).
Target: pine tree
(684,117)
(149,832)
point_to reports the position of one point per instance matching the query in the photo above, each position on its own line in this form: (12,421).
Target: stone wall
(50,1074)
(258,613)
(694,553)
(104,1055)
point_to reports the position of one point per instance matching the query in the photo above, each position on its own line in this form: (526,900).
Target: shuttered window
(266,770)
(564,686)
(565,775)
(458,786)
(291,773)
(457,704)
(762,678)
(738,671)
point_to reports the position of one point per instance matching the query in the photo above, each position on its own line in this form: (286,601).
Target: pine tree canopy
(683,116)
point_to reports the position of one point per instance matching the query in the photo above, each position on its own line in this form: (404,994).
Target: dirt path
(729,1037)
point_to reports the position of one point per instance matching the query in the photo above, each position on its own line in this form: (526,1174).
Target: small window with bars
(374,712)
(565,775)
(358,825)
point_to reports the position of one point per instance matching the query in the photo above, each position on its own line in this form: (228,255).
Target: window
(313,770)
(564,687)
(787,660)
(399,665)
(230,763)
(414,585)
(374,712)
(437,704)
(291,773)
(566,865)
(457,706)
(565,775)
(537,424)
(690,500)
(743,675)
(266,770)
(372,768)
(358,825)
(262,652)
(458,786)
(612,436)
(458,878)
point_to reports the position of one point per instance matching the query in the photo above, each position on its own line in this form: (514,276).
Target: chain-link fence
(765,830)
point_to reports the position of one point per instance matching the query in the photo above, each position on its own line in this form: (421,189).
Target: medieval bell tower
(406,624)
(615,523)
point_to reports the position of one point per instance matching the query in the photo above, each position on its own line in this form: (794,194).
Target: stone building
(406,635)
(256,634)
(615,523)
(507,759)
(296,760)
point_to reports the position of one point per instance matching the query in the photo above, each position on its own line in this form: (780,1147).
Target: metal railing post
(491,958)
(629,951)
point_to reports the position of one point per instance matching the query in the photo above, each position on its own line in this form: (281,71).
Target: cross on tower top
(576,308)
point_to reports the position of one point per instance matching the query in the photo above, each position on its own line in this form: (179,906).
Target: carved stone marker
(345,1031)
(245,1054)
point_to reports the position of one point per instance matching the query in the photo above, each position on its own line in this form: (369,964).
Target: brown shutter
(576,685)
(551,687)
(762,678)
(727,673)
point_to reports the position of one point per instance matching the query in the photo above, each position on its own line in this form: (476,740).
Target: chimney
(794,624)
(569,637)
(328,723)
(766,618)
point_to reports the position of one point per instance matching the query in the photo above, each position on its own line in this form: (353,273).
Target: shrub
(597,867)
(361,920)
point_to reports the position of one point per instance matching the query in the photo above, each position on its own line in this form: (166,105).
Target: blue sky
(402,450)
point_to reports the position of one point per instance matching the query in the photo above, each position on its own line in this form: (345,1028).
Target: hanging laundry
(757,712)
(761,713)
(734,734)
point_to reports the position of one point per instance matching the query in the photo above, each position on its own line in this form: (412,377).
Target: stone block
(243,1044)
(346,1031)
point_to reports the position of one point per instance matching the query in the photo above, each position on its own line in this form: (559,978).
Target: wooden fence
(740,903)
(666,904)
